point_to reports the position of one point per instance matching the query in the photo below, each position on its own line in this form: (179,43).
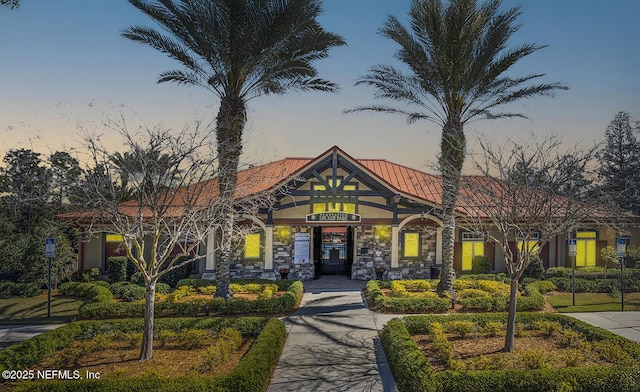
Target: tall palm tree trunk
(452,151)
(230,123)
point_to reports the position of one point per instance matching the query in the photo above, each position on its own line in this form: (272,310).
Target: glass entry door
(334,250)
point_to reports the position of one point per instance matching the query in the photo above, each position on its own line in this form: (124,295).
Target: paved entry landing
(332,342)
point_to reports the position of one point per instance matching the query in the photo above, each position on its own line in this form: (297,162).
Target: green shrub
(195,282)
(543,286)
(494,328)
(440,342)
(194,338)
(174,276)
(619,378)
(411,369)
(535,359)
(571,338)
(207,290)
(481,264)
(473,293)
(612,352)
(165,336)
(137,278)
(163,288)
(483,304)
(93,291)
(547,326)
(533,300)
(403,305)
(191,308)
(572,358)
(535,269)
(12,289)
(117,271)
(461,328)
(633,258)
(251,374)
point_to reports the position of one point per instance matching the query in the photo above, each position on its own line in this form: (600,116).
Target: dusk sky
(64,66)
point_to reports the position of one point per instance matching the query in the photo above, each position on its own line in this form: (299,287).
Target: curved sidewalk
(332,342)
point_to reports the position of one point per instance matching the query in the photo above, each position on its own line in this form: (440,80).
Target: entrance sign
(621,246)
(333,217)
(301,248)
(573,247)
(50,247)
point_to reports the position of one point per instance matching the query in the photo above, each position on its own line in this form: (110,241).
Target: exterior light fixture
(396,198)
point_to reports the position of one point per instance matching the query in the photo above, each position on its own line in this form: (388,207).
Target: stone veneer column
(395,231)
(268,248)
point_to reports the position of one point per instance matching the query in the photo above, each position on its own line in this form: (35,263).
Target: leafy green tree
(620,163)
(63,265)
(458,63)
(65,173)
(239,50)
(26,184)
(11,3)
(13,245)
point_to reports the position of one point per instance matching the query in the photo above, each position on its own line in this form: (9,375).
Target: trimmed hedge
(95,292)
(398,345)
(251,374)
(411,369)
(280,305)
(404,305)
(12,289)
(495,300)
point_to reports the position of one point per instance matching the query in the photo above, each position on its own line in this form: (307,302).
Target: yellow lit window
(469,250)
(349,188)
(349,207)
(334,207)
(318,207)
(411,245)
(532,247)
(586,249)
(114,238)
(318,187)
(252,246)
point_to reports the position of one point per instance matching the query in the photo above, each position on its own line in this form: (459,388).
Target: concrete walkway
(626,324)
(332,342)
(10,334)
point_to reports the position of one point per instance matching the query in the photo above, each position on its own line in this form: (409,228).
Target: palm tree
(239,50)
(457,60)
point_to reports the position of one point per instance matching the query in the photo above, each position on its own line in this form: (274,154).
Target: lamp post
(573,251)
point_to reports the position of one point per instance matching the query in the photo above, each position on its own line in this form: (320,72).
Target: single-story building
(342,215)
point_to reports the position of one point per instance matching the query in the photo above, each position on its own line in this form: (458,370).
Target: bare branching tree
(172,210)
(168,205)
(517,199)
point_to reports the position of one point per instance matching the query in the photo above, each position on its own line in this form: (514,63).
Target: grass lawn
(593,302)
(33,310)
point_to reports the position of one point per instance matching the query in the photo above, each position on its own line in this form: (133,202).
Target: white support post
(439,245)
(395,231)
(210,264)
(268,248)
